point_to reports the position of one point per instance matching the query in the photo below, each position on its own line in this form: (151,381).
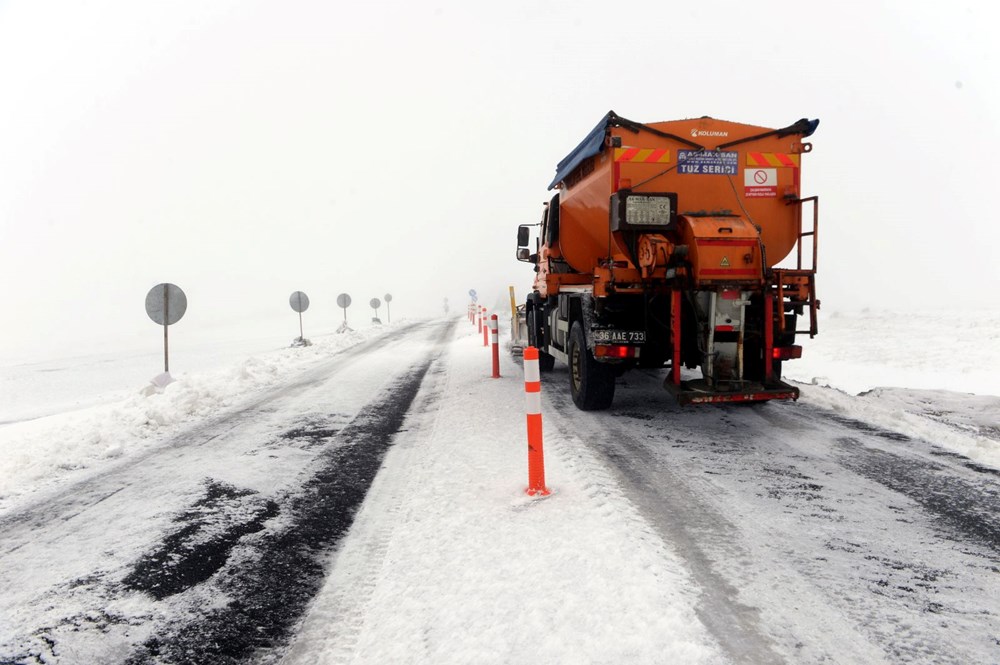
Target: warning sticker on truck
(760,183)
(707,162)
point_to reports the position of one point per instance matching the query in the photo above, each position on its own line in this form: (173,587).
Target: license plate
(620,336)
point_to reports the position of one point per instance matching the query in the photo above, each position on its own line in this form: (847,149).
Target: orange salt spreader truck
(659,249)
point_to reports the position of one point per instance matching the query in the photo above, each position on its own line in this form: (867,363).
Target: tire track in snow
(734,625)
(343,606)
(64,612)
(833,536)
(76,497)
(963,495)
(269,589)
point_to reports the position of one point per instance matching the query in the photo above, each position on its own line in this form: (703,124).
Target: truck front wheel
(591,383)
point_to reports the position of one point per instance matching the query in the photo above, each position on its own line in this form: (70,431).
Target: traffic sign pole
(166,317)
(165,305)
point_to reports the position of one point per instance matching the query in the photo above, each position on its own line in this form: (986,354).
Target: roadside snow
(932,352)
(966,424)
(859,351)
(929,375)
(40,453)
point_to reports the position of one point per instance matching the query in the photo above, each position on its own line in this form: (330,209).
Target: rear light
(786,352)
(619,351)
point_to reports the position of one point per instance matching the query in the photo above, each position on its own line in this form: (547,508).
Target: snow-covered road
(371,509)
(93,573)
(814,537)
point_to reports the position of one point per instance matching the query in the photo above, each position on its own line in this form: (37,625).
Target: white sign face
(299,301)
(166,304)
(760,183)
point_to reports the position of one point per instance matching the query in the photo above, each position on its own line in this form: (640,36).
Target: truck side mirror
(522,237)
(523,254)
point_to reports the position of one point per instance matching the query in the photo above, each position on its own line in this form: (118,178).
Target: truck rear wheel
(591,383)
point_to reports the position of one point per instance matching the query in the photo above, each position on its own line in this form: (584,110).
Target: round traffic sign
(388,297)
(166,304)
(299,301)
(375,303)
(343,300)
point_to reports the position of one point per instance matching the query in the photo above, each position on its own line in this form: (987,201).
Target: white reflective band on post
(533,403)
(531,373)
(493,337)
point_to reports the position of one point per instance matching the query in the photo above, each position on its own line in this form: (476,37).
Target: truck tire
(591,383)
(545,362)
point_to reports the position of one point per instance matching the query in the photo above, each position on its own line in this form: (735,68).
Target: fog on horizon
(246,150)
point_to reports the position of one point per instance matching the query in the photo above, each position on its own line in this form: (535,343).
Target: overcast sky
(246,150)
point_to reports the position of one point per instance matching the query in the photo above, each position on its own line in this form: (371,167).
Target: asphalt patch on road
(269,592)
(201,545)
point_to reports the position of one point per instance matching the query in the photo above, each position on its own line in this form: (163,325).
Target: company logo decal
(695,133)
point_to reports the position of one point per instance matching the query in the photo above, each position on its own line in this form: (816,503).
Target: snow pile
(38,453)
(966,424)
(929,375)
(858,351)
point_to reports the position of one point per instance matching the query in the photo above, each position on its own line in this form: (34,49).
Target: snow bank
(929,375)
(858,351)
(963,423)
(41,453)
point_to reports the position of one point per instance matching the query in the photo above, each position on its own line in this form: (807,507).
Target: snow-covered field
(448,560)
(63,418)
(60,417)
(858,351)
(933,375)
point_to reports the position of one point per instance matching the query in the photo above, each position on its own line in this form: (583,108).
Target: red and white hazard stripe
(495,341)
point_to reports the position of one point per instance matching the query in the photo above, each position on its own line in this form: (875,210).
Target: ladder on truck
(799,284)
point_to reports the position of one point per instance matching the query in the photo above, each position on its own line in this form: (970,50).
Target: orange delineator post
(495,341)
(486,329)
(533,402)
(479,317)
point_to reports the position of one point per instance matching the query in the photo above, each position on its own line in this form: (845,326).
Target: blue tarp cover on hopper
(594,142)
(589,147)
